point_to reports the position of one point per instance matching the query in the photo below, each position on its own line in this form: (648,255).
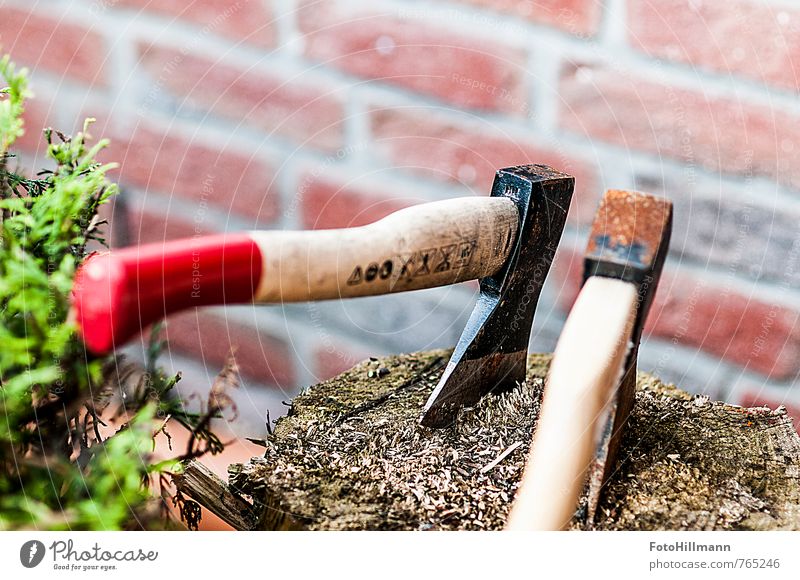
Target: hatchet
(507,241)
(591,384)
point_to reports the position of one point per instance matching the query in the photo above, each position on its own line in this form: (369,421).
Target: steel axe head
(492,351)
(629,241)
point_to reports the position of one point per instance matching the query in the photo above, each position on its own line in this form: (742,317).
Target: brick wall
(308,114)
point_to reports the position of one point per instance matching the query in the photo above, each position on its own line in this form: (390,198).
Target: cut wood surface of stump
(351,456)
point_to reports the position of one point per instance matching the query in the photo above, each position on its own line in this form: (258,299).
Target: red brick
(465,70)
(244,20)
(567,273)
(36,117)
(145,226)
(288,105)
(419,141)
(740,37)
(749,332)
(752,333)
(209,337)
(227,179)
(330,204)
(720,134)
(578,17)
(331,361)
(757,399)
(58,46)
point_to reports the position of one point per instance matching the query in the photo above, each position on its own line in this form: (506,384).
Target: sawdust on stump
(351,456)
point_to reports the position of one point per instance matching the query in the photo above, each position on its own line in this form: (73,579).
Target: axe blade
(492,351)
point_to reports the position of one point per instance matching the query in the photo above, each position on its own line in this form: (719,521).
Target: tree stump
(350,455)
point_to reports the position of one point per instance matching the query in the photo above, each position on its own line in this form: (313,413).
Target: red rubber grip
(118,293)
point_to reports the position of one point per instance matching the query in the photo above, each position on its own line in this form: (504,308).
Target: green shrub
(58,470)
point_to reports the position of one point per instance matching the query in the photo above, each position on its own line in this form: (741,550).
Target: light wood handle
(587,366)
(118,293)
(423,246)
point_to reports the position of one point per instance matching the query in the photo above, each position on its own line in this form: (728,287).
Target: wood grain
(202,485)
(424,246)
(587,366)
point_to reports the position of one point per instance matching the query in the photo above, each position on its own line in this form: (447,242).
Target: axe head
(629,241)
(492,351)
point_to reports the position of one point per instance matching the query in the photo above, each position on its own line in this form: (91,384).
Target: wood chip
(371,465)
(489,466)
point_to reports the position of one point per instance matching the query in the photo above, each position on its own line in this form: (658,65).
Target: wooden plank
(202,485)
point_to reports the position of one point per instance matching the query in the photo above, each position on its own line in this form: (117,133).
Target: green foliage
(59,471)
(11,108)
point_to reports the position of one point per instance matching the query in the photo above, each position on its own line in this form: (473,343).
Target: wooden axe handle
(587,366)
(423,246)
(435,244)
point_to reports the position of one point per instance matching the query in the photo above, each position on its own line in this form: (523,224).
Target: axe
(591,384)
(507,241)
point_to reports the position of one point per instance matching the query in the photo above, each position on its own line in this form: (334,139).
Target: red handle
(118,293)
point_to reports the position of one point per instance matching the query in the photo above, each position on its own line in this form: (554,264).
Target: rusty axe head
(492,351)
(629,241)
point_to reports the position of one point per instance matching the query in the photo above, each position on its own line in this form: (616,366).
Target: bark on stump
(351,456)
